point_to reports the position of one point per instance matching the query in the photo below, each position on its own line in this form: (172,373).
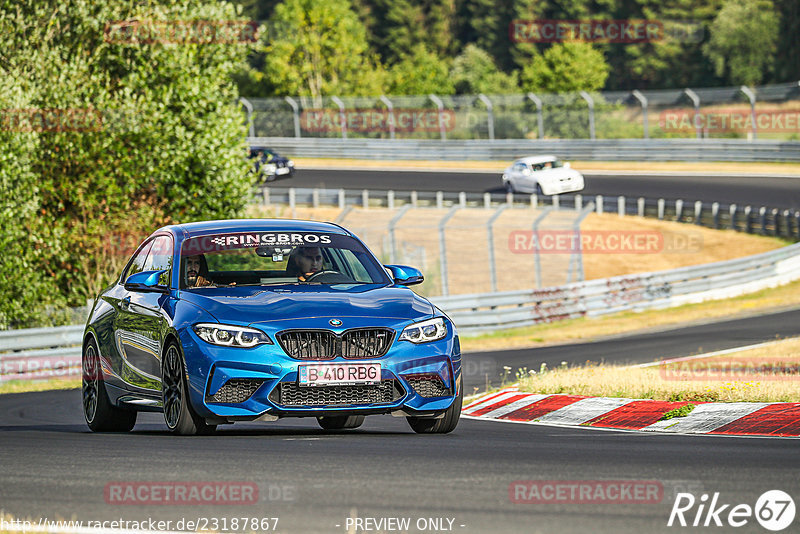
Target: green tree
(141,133)
(474,71)
(323,52)
(743,40)
(566,67)
(420,73)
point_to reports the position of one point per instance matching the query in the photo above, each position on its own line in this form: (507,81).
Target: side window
(160,258)
(137,263)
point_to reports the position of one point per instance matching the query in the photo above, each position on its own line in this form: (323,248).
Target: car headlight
(231,336)
(270,168)
(425,331)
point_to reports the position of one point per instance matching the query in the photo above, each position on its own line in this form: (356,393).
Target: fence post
(732,210)
(578,201)
(540,117)
(534,200)
(578,254)
(342,201)
(414,199)
(490,242)
(390,199)
(752,98)
(443,247)
(265,196)
(698,211)
(439,200)
(365,198)
(715,214)
(797,223)
(678,210)
(390,107)
(661,205)
(462,199)
(621,206)
(598,200)
(747,223)
(315,198)
(392,225)
(490,113)
(251,131)
(510,199)
(537,260)
(643,101)
(775,220)
(640,206)
(342,117)
(556,201)
(696,102)
(586,96)
(292,199)
(762,216)
(295,114)
(438,101)
(487,200)
(787,219)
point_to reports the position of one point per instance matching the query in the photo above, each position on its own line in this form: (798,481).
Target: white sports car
(543,175)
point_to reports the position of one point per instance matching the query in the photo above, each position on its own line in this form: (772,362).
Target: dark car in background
(269,164)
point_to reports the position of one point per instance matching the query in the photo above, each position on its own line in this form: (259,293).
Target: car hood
(247,305)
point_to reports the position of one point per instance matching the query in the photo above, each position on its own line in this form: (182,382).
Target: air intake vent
(428,385)
(236,390)
(290,394)
(357,343)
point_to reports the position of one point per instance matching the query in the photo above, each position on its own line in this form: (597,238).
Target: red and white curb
(726,418)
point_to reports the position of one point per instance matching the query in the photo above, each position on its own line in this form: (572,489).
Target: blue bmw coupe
(255,320)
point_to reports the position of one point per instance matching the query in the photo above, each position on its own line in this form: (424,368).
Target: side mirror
(404,275)
(146,281)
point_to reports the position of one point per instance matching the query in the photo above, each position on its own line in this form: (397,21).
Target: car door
(141,324)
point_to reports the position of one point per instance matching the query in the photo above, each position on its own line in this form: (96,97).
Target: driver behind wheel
(304,262)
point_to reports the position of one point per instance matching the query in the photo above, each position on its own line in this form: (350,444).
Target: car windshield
(554,164)
(276,258)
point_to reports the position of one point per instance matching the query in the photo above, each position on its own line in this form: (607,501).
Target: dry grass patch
(768,374)
(24,386)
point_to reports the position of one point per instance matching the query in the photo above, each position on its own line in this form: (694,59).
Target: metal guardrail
(38,353)
(509,149)
(656,290)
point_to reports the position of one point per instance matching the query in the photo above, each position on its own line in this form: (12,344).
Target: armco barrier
(56,351)
(662,289)
(509,149)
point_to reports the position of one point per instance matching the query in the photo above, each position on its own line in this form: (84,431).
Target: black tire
(179,416)
(340,422)
(539,189)
(99,413)
(448,423)
(509,187)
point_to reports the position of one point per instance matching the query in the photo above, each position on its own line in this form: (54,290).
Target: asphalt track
(779,192)
(313,481)
(52,467)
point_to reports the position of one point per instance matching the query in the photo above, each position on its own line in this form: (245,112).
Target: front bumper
(232,384)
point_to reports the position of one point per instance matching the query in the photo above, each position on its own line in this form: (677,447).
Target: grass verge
(24,386)
(590,328)
(765,374)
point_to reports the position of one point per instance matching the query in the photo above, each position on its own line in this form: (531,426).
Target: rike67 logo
(774,510)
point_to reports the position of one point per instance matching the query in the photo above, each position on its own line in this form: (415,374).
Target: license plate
(339,374)
(282,170)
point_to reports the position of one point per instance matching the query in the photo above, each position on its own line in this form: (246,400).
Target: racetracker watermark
(181,32)
(730,369)
(586,492)
(181,493)
(629,31)
(731,120)
(603,242)
(377,120)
